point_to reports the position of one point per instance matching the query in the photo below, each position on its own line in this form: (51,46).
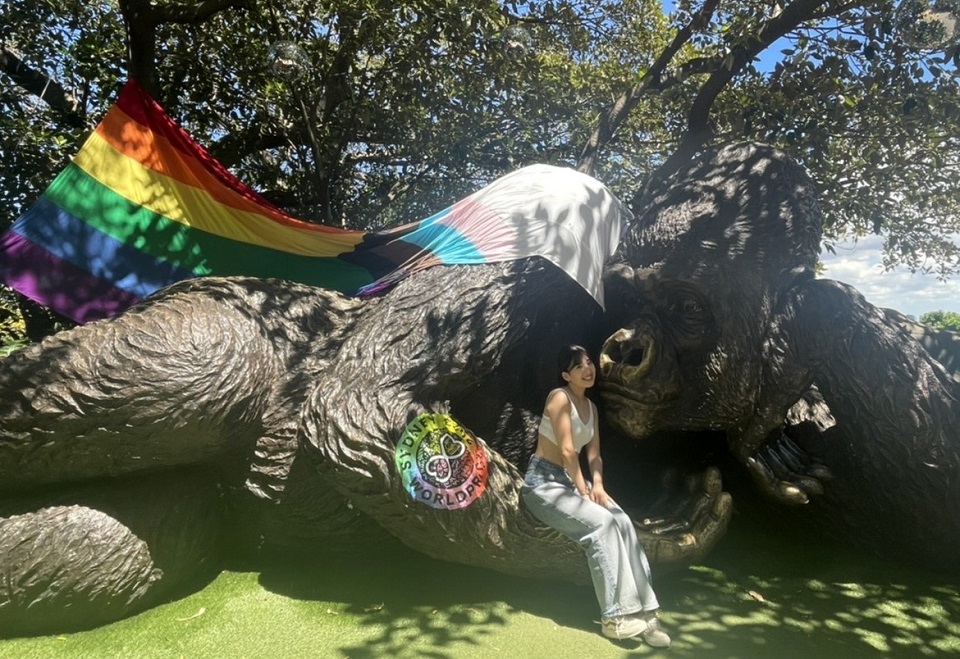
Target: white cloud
(912,294)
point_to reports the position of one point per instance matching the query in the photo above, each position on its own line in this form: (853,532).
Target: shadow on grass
(759,594)
(406,598)
(756,596)
(791,597)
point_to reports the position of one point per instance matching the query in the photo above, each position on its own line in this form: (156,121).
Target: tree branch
(197,12)
(835,11)
(141,43)
(699,130)
(232,148)
(687,69)
(611,120)
(43,87)
(142,18)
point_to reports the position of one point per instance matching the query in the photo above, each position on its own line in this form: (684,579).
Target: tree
(407,105)
(945,320)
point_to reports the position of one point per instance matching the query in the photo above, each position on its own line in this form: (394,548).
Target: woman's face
(582,374)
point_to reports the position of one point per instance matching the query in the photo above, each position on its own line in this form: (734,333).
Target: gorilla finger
(770,485)
(820,471)
(679,548)
(815,469)
(761,473)
(663,526)
(784,487)
(711,481)
(799,479)
(796,476)
(780,470)
(798,454)
(666,501)
(670,506)
(698,507)
(809,485)
(795,460)
(708,529)
(790,493)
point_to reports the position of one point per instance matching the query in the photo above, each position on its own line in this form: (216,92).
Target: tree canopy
(389,110)
(945,320)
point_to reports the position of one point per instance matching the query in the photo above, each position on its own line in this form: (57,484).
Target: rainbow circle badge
(441,463)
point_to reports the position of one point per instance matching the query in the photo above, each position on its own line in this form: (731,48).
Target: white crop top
(582,432)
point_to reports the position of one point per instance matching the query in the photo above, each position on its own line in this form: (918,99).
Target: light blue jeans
(618,567)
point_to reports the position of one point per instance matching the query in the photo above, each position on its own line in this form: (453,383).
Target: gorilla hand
(688,519)
(786,473)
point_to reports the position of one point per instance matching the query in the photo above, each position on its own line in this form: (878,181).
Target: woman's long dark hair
(568,357)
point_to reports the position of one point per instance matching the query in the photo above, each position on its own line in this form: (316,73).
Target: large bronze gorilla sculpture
(260,412)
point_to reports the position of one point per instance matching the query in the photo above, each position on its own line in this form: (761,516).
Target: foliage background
(406,105)
(945,320)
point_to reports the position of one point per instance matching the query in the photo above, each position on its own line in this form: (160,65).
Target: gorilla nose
(627,350)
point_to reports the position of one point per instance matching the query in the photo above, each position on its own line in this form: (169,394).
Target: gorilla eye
(688,308)
(691,307)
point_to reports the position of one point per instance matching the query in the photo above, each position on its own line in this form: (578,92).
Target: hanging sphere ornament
(517,42)
(928,24)
(287,61)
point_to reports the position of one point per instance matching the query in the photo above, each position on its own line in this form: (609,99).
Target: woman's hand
(598,495)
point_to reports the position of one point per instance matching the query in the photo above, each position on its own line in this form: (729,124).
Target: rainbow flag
(142,206)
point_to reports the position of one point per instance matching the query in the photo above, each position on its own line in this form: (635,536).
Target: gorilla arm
(178,380)
(159,416)
(874,377)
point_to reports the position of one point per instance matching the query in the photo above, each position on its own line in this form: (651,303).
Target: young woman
(557,494)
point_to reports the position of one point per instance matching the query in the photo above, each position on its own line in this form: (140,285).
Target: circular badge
(441,463)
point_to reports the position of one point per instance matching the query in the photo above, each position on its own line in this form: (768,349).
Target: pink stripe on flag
(493,236)
(49,280)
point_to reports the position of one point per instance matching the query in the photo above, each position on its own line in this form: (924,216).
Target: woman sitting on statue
(556,492)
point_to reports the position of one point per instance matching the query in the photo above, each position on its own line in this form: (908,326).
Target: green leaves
(944,320)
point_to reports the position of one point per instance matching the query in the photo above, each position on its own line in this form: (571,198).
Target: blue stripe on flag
(76,242)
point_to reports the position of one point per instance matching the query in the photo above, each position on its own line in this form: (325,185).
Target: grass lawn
(755,596)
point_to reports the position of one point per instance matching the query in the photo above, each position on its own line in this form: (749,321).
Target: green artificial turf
(755,596)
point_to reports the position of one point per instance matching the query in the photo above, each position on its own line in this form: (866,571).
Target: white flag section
(558,213)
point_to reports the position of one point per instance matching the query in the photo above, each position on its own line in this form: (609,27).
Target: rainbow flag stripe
(142,206)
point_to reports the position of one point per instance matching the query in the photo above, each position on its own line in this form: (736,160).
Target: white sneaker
(654,634)
(623,627)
